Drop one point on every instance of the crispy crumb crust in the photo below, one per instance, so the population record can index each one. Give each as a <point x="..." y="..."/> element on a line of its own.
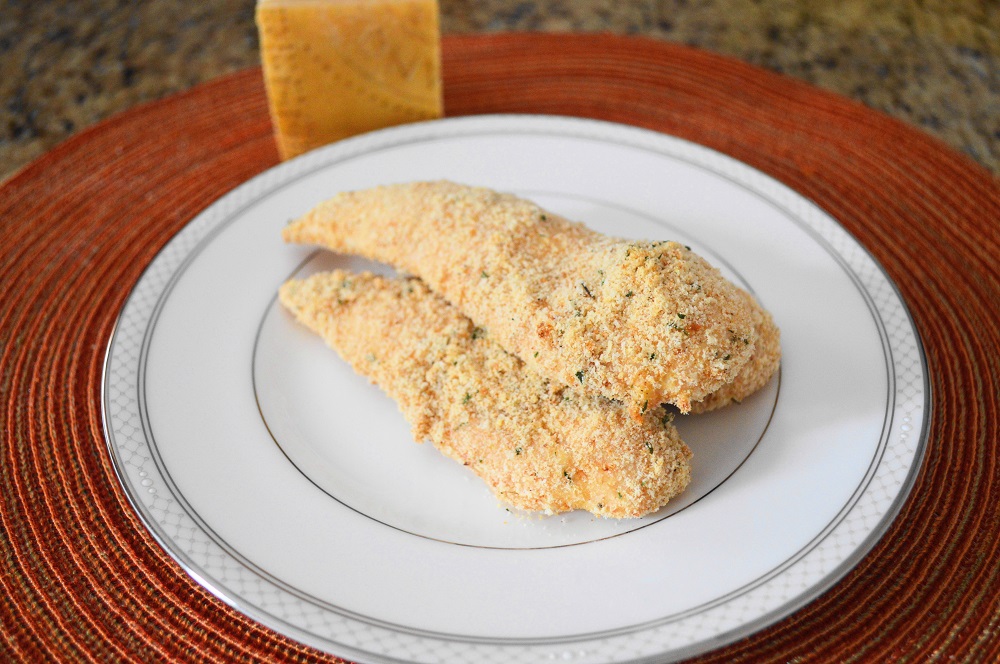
<point x="538" y="445"/>
<point x="755" y="373"/>
<point x="640" y="322"/>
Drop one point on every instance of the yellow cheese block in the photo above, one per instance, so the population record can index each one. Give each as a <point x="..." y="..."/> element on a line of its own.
<point x="335" y="68"/>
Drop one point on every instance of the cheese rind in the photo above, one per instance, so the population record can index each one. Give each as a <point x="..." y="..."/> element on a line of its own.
<point x="336" y="68"/>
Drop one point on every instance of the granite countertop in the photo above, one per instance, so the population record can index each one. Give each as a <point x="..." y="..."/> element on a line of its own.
<point x="936" y="64"/>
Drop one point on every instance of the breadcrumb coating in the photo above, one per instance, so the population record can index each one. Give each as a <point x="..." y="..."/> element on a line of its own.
<point x="538" y="445"/>
<point x="762" y="365"/>
<point x="640" y="322"/>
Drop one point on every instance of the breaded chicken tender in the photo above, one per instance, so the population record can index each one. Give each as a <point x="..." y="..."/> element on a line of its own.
<point x="755" y="373"/>
<point x="640" y="322"/>
<point x="538" y="445"/>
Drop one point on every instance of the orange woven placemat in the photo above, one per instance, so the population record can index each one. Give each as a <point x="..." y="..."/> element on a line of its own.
<point x="83" y="580"/>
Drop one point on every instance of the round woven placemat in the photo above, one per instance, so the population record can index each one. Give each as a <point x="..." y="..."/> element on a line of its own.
<point x="83" y="580"/>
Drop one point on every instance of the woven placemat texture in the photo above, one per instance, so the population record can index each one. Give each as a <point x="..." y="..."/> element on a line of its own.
<point x="80" y="577"/>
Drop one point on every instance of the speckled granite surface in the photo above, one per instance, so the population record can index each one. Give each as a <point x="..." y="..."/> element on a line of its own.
<point x="934" y="63"/>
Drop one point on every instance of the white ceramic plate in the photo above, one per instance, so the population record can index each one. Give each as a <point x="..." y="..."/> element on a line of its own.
<point x="290" y="487"/>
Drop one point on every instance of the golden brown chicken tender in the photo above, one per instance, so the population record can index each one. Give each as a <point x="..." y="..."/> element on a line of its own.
<point x="538" y="445"/>
<point x="640" y="322"/>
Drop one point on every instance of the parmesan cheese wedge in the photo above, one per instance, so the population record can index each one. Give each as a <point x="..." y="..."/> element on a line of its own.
<point x="336" y="68"/>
